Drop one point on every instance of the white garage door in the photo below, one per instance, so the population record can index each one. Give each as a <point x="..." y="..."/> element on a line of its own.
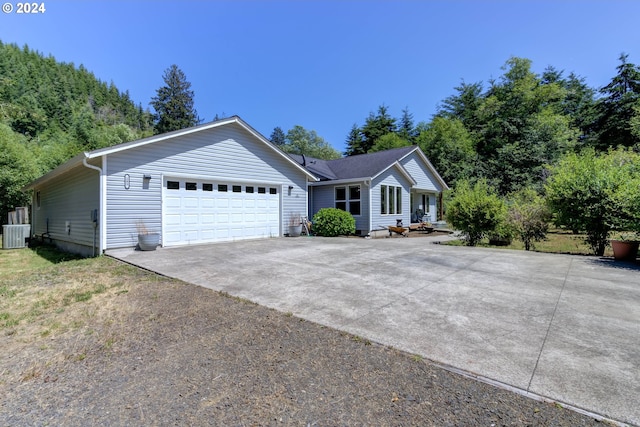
<point x="199" y="211"/>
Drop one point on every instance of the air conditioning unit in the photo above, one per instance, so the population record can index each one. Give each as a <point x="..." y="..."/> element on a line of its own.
<point x="14" y="236"/>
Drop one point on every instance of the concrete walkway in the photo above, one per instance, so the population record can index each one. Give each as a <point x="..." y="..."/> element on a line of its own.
<point x="566" y="328"/>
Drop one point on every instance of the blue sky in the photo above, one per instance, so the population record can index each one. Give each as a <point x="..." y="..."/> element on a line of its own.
<point x="325" y="65"/>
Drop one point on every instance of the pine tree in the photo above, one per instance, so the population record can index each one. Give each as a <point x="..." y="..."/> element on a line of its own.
<point x="376" y="126"/>
<point x="277" y="137"/>
<point x="354" y="142"/>
<point x="619" y="107"/>
<point x="174" y="103"/>
<point x="407" y="130"/>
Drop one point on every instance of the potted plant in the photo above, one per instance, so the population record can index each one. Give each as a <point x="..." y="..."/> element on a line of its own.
<point x="295" y="225"/>
<point x="147" y="241"/>
<point x="625" y="246"/>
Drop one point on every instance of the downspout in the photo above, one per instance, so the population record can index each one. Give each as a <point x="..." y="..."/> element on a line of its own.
<point x="367" y="182"/>
<point x="98" y="219"/>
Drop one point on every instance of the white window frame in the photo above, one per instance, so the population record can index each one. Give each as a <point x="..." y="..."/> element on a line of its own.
<point x="390" y="200"/>
<point x="347" y="198"/>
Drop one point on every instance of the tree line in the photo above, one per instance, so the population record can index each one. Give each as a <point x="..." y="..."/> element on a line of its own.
<point x="51" y="111"/>
<point x="509" y="131"/>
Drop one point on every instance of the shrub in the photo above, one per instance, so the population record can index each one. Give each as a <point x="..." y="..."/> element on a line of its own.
<point x="529" y="217"/>
<point x="475" y="211"/>
<point x="331" y="222"/>
<point x="596" y="194"/>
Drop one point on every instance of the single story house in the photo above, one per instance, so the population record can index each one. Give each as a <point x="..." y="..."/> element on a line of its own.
<point x="213" y="182"/>
<point x="378" y="189"/>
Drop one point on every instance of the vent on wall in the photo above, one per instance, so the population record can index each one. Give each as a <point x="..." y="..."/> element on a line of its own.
<point x="15" y="236"/>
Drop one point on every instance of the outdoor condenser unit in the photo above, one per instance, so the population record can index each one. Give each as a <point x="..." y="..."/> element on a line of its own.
<point x="14" y="236"/>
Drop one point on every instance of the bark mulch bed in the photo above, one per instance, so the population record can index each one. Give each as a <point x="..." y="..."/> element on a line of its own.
<point x="162" y="352"/>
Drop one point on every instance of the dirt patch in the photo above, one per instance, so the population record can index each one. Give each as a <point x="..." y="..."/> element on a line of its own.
<point x="147" y="350"/>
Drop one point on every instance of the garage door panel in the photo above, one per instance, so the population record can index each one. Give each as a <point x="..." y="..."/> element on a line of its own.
<point x="208" y="214"/>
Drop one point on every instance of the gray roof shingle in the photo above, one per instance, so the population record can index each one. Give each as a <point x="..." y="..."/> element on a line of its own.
<point x="359" y="166"/>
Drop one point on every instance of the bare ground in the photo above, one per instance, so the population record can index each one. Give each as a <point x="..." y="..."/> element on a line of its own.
<point x="147" y="350"/>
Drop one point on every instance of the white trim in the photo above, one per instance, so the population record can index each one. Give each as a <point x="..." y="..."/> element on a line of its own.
<point x="219" y="178"/>
<point x="75" y="161"/>
<point x="401" y="169"/>
<point x="429" y="166"/>
<point x="339" y="181"/>
<point x="103" y="206"/>
<point x="194" y="129"/>
<point x="347" y="200"/>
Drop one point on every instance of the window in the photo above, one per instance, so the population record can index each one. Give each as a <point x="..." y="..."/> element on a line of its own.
<point x="262" y="190"/>
<point x="38" y="200"/>
<point x="222" y="188"/>
<point x="341" y="198"/>
<point x="248" y="189"/>
<point x="390" y="200"/>
<point x="207" y="187"/>
<point x="348" y="199"/>
<point x="354" y="200"/>
<point x="273" y="191"/>
<point x="191" y="186"/>
<point x="237" y="188"/>
<point x="173" y="185"/>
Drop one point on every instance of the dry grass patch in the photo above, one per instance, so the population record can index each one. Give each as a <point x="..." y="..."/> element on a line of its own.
<point x="56" y="307"/>
<point x="557" y="242"/>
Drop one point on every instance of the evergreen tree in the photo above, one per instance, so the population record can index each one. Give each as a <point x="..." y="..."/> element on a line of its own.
<point x="277" y="137"/>
<point x="174" y="103"/>
<point x="354" y="142"/>
<point x="407" y="130"/>
<point x="376" y="126"/>
<point x="619" y="106"/>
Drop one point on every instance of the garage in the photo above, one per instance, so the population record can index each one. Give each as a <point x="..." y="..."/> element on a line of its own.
<point x="205" y="211"/>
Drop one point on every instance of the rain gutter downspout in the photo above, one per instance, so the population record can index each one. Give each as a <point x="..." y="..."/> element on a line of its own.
<point x="367" y="182"/>
<point x="98" y="220"/>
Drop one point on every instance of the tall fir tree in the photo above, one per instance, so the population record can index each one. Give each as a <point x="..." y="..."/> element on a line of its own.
<point x="278" y="137"/>
<point x="354" y="141"/>
<point x="407" y="129"/>
<point x="174" y="103"/>
<point x="376" y="126"/>
<point x="619" y="106"/>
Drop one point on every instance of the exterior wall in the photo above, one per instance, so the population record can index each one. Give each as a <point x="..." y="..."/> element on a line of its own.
<point x="391" y="177"/>
<point x="323" y="196"/>
<point x="70" y="198"/>
<point x="225" y="153"/>
<point x="420" y="173"/>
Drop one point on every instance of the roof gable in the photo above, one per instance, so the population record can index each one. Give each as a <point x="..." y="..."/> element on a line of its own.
<point x="359" y="166"/>
<point x="82" y="157"/>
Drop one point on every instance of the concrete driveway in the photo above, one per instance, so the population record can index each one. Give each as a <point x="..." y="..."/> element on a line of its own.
<point x="565" y="328"/>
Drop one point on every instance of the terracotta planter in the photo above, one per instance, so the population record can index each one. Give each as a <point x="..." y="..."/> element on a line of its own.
<point x="625" y="250"/>
<point x="148" y="242"/>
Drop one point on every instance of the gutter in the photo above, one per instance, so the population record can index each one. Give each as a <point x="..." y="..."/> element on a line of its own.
<point x="98" y="221"/>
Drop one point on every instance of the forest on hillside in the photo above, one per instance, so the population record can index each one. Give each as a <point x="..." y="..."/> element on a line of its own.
<point x="50" y="112"/>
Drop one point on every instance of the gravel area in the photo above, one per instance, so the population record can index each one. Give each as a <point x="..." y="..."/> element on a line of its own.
<point x="168" y="353"/>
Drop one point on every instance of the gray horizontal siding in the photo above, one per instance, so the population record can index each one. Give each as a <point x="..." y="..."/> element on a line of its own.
<point x="225" y="153"/>
<point x="324" y="197"/>
<point x="391" y="177"/>
<point x="419" y="171"/>
<point x="71" y="198"/>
